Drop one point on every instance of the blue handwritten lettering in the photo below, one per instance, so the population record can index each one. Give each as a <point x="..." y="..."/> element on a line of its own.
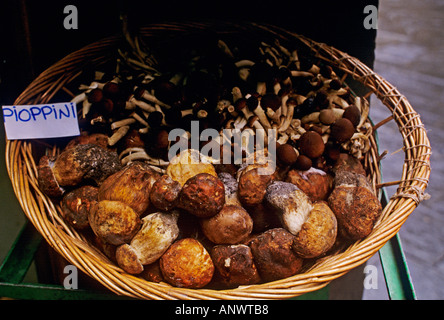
<point x="24" y="119"/>
<point x="35" y="111"/>
<point x="46" y="113"/>
<point x="5" y="115"/>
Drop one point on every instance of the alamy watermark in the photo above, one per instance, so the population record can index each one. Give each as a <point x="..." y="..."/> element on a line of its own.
<point x="371" y="20"/>
<point x="71" y="281"/>
<point x="71" y="21"/>
<point x="371" y="278"/>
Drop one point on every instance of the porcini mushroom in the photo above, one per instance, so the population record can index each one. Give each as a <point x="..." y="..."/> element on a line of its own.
<point x="254" y="106"/>
<point x="290" y="203"/>
<point x="158" y="232"/>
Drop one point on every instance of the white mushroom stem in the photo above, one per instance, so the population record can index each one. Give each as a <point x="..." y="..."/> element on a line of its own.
<point x="288" y="118"/>
<point x="284" y="50"/>
<point x="140" y="119"/>
<point x="295" y="58"/>
<point x="274" y="115"/>
<point x="297" y="73"/>
<point x="142" y="104"/>
<point x="133" y="154"/>
<point x="246" y="138"/>
<point x="91" y="86"/>
<point x="237" y="94"/>
<point x="335" y="100"/>
<point x="244" y="73"/>
<point x="245" y="63"/>
<point x="123" y="122"/>
<point x="79" y="98"/>
<point x="261" y="87"/>
<point x="151" y="98"/>
<point x="240" y="122"/>
<point x="260" y="132"/>
<point x="283" y="138"/>
<point x="86" y="107"/>
<point x="311" y="118"/>
<point x="364" y="108"/>
<point x="225" y="49"/>
<point x="119" y="134"/>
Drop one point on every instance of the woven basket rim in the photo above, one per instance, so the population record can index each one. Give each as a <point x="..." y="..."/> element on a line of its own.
<point x="44" y="215"/>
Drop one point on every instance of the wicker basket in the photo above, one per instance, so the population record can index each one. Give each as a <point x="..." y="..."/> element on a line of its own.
<point x="45" y="215"/>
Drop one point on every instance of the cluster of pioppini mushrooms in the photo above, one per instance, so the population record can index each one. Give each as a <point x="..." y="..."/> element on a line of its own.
<point x="195" y="221"/>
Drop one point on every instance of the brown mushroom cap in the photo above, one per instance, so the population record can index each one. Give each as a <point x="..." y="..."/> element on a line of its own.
<point x="231" y="225"/>
<point x="95" y="95"/>
<point x="273" y="254"/>
<point x="318" y="233"/>
<point x="187" y="264"/>
<point x="203" y="195"/>
<point x="46" y="178"/>
<point x="342" y="130"/>
<point x="83" y="162"/>
<point x="76" y="205"/>
<point x="317" y="184"/>
<point x="114" y="221"/>
<point x="353" y="114"/>
<point x="286" y="154"/>
<point x="252" y="185"/>
<point x="252" y="120"/>
<point x="327" y="116"/>
<point x="311" y="144"/>
<point x="164" y="193"/>
<point x="131" y="185"/>
<point x="234" y="264"/>
<point x="303" y="162"/>
<point x="271" y="100"/>
<point x="240" y="104"/>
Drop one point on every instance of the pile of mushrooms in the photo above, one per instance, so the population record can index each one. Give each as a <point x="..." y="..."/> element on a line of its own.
<point x="242" y="223"/>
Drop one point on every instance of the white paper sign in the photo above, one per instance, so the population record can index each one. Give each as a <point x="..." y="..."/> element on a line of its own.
<point x="41" y="121"/>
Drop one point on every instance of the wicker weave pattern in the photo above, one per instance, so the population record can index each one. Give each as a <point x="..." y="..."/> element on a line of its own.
<point x="45" y="215"/>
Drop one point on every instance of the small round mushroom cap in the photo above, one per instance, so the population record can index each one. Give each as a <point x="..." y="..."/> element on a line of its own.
<point x="271" y="100"/>
<point x="252" y="120"/>
<point x="240" y="104"/>
<point x="286" y="154"/>
<point x="311" y="144"/>
<point x="327" y="116"/>
<point x="95" y="95"/>
<point x="353" y="114"/>
<point x="303" y="162"/>
<point x="342" y="130"/>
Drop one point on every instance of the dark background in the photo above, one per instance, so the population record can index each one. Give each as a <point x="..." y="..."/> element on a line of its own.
<point x="33" y="37"/>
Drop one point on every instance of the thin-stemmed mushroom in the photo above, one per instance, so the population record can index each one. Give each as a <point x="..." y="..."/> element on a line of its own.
<point x="142" y="93"/>
<point x="254" y="105"/>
